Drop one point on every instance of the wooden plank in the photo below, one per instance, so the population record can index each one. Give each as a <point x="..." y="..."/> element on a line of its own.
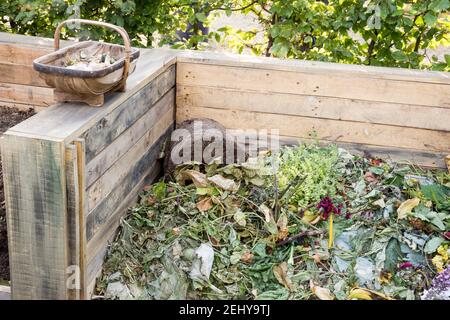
<point x="52" y="122"/>
<point x="20" y="53"/>
<point x="5" y="293"/>
<point x="35" y="194"/>
<point x="73" y="219"/>
<point x="306" y="66"/>
<point x="81" y="169"/>
<point x="100" y="215"/>
<point x="32" y="41"/>
<point x="160" y="116"/>
<point x="316" y="107"/>
<point x="398" y="155"/>
<point x="108" y="181"/>
<point x="20" y="74"/>
<point x="24" y="94"/>
<point x="331" y="130"/>
<point x="107" y="129"/>
<point x="98" y="245"/>
<point x="324" y="85"/>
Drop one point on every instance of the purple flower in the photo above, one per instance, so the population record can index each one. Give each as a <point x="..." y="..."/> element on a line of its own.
<point x="326" y="207"/>
<point x="440" y="287"/>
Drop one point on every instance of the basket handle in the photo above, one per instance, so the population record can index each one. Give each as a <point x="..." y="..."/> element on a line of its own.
<point x="120" y="30"/>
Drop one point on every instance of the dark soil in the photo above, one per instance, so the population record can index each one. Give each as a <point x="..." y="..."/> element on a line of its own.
<point x="9" y="117"/>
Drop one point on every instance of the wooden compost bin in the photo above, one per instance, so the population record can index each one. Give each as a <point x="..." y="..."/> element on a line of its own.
<point x="71" y="171"/>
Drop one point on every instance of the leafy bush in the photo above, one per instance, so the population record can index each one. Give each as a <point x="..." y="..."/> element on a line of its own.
<point x="371" y="32"/>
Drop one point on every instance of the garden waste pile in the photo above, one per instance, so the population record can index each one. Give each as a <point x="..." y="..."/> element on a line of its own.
<point x="310" y="222"/>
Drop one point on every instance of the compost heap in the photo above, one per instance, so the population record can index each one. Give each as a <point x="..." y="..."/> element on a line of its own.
<point x="324" y="225"/>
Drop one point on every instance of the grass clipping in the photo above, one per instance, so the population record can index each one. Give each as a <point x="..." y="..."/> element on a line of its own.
<point x="252" y="232"/>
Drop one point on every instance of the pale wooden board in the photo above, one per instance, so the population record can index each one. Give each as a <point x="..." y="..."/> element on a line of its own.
<point x="5" y="293"/>
<point x="73" y="216"/>
<point x="397" y="155"/>
<point x="160" y="115"/>
<point x="315" y="107"/>
<point x="316" y="67"/>
<point x="81" y="170"/>
<point x="98" y="245"/>
<point x="20" y="74"/>
<point x="23" y="94"/>
<point x="24" y="40"/>
<point x="324" y="85"/>
<point x="20" y="53"/>
<point x="107" y="129"/>
<point x="52" y="123"/>
<point x="100" y="215"/>
<point x="331" y="130"/>
<point x="34" y="178"/>
<point x="108" y="181"/>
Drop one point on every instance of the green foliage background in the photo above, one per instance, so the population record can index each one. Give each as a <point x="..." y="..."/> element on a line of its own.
<point x="372" y="32"/>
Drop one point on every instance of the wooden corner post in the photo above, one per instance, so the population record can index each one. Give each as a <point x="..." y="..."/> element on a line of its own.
<point x="34" y="171"/>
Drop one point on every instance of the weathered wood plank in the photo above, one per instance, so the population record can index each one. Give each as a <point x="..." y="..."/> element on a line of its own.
<point x="20" y="74"/>
<point x="100" y="215"/>
<point x="311" y="67"/>
<point x="52" y="122"/>
<point x="35" y="193"/>
<point x="25" y="40"/>
<point x="5" y="293"/>
<point x="23" y="94"/>
<point x="98" y="245"/>
<point x="324" y="85"/>
<point x="398" y="155"/>
<point x="81" y="170"/>
<point x="157" y="119"/>
<point x="332" y="130"/>
<point x="20" y="53"/>
<point x="108" y="181"/>
<point x="107" y="129"/>
<point x="404" y="115"/>
<point x="73" y="219"/>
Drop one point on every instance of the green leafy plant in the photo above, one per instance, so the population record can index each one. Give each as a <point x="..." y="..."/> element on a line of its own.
<point x="397" y="33"/>
<point x="318" y="169"/>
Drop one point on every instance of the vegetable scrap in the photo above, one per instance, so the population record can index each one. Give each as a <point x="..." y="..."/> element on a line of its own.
<point x="310" y="222"/>
<point x="87" y="62"/>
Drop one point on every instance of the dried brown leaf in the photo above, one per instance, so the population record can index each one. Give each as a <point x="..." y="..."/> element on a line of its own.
<point x="205" y="204"/>
<point x="280" y="272"/>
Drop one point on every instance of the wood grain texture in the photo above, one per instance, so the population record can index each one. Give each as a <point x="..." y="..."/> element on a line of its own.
<point x="20" y="74"/>
<point x="98" y="245"/>
<point x="398" y="155"/>
<point x="20" y="53"/>
<point x="35" y="193"/>
<point x="423" y="117"/>
<point x="73" y="220"/>
<point x="160" y="116"/>
<point x="22" y="94"/>
<point x="100" y="215"/>
<point x="5" y="293"/>
<point x="313" y="84"/>
<point x="112" y="125"/>
<point x="82" y="204"/>
<point x="311" y="67"/>
<point x="52" y="123"/>
<point x="331" y="130"/>
<point x="108" y="181"/>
